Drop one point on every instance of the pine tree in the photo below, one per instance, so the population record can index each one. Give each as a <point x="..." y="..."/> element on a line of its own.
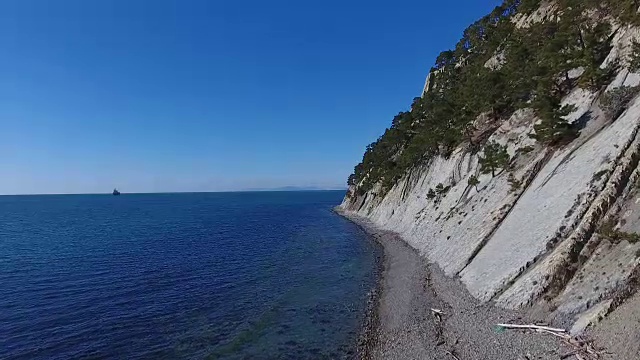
<point x="495" y="157"/>
<point x="473" y="181"/>
<point x="595" y="47"/>
<point x="635" y="57"/>
<point x="553" y="128"/>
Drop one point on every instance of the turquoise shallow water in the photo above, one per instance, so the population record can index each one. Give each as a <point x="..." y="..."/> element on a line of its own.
<point x="191" y="276"/>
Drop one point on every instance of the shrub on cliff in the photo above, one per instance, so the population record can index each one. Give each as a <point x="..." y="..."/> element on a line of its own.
<point x="594" y="77"/>
<point x="615" y="101"/>
<point x="473" y="181"/>
<point x="431" y="194"/>
<point x="608" y="230"/>
<point x="514" y="182"/>
<point x="352" y="180"/>
<point x="442" y="190"/>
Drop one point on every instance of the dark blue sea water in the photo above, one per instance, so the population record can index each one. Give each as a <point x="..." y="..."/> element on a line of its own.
<point x="181" y="276"/>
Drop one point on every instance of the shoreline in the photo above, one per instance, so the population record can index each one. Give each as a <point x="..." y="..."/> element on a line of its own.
<point x="401" y="324"/>
<point x="367" y="338"/>
<point x="366" y="341"/>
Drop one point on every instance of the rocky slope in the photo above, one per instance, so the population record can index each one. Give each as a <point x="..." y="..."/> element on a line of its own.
<point x="554" y="231"/>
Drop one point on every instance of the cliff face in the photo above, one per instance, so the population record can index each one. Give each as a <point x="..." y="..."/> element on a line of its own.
<point x="556" y="229"/>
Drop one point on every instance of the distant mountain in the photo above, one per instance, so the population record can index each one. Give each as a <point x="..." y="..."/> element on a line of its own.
<point x="298" y="188"/>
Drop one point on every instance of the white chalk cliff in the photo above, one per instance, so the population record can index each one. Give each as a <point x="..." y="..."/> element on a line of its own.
<point x="537" y="244"/>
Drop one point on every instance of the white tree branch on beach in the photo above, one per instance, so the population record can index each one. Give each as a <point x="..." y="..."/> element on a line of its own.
<point x="584" y="349"/>
<point x="452" y="355"/>
<point x="532" y="327"/>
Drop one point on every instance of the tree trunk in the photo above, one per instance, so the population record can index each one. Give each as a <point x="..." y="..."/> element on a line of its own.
<point x="581" y="39"/>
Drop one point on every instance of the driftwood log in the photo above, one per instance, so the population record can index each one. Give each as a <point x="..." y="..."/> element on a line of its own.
<point x="583" y="349"/>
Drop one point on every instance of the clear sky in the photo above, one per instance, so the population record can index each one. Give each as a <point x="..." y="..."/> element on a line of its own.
<point x="158" y="95"/>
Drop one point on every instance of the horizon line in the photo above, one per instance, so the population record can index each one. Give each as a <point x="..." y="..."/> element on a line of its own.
<point x="183" y="192"/>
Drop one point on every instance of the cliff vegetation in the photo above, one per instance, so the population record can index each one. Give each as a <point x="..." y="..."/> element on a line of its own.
<point x="501" y="65"/>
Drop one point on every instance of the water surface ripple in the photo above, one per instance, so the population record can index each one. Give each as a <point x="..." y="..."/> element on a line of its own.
<point x="191" y="276"/>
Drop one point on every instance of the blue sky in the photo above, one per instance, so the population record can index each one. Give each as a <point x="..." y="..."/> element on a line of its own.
<point x="160" y="96"/>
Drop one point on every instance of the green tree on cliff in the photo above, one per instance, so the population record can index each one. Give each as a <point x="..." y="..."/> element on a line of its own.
<point x="495" y="157"/>
<point x="552" y="128"/>
<point x="431" y="194"/>
<point x="635" y="57"/>
<point x="595" y="48"/>
<point x="495" y="69"/>
<point x="473" y="181"/>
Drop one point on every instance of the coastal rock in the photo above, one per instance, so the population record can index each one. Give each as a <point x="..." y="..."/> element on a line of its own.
<point x="531" y="235"/>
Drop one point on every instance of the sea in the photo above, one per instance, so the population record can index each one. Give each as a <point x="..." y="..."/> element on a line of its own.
<point x="246" y="275"/>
